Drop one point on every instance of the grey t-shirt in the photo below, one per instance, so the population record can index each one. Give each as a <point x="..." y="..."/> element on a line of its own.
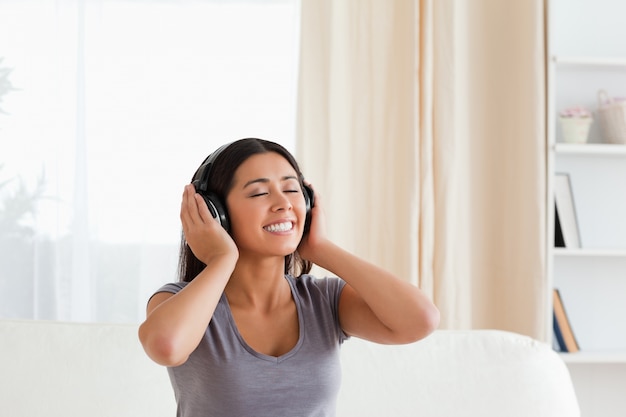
<point x="226" y="377"/>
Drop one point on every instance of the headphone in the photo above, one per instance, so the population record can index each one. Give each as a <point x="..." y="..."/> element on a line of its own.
<point x="216" y="205"/>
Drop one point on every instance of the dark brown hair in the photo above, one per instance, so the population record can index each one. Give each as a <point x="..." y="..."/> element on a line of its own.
<point x="220" y="182"/>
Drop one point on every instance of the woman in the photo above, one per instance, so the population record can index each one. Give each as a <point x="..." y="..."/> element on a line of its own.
<point x="247" y="331"/>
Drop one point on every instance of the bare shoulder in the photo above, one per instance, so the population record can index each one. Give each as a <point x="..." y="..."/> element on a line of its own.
<point x="157" y="299"/>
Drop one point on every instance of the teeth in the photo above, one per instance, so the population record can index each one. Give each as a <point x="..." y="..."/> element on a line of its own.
<point x="279" y="227"/>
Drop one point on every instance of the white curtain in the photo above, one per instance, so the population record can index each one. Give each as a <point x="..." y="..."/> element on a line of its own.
<point x="423" y="124"/>
<point x="110" y="106"/>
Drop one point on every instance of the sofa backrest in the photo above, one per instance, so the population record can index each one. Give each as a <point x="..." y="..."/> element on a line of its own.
<point x="475" y="373"/>
<point x="57" y="369"/>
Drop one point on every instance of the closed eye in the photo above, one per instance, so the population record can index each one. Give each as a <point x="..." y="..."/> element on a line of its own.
<point x="266" y="193"/>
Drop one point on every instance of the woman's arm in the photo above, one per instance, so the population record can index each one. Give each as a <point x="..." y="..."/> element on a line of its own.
<point x="375" y="304"/>
<point x="175" y="324"/>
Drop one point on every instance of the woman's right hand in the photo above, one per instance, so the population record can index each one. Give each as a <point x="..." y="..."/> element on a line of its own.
<point x="176" y="323"/>
<point x="204" y="235"/>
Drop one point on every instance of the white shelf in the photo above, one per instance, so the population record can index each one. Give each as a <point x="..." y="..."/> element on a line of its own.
<point x="590" y="149"/>
<point x="565" y="252"/>
<point x="590" y="61"/>
<point x="584" y="357"/>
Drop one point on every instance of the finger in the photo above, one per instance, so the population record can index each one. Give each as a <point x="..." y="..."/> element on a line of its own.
<point x="184" y="212"/>
<point x="203" y="209"/>
<point x="189" y="207"/>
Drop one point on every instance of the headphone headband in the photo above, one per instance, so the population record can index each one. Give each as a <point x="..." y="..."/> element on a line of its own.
<point x="214" y="202"/>
<point x="201" y="179"/>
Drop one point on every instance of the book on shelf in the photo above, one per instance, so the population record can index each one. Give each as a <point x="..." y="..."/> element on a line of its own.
<point x="563" y="332"/>
<point x="566" y="224"/>
<point x="559" y="242"/>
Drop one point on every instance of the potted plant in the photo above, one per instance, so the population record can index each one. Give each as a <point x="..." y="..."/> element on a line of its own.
<point x="575" y="124"/>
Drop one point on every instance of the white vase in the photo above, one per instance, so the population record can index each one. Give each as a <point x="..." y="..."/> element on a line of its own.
<point x="575" y="129"/>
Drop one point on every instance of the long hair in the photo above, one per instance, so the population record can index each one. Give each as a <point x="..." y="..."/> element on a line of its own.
<point x="220" y="182"/>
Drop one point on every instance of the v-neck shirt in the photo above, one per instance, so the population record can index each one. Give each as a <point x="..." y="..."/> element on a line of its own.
<point x="224" y="376"/>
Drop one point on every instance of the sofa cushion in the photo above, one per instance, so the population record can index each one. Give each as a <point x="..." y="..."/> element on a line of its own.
<point x="56" y="369"/>
<point x="478" y="373"/>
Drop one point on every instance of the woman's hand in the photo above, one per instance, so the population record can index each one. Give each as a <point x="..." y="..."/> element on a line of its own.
<point x="176" y="323"/>
<point x="375" y="304"/>
<point x="204" y="235"/>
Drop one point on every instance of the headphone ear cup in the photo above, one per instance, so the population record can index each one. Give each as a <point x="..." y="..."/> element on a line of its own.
<point x="217" y="209"/>
<point x="309" y="200"/>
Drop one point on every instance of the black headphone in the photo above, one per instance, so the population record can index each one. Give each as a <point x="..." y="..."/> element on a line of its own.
<point x="218" y="208"/>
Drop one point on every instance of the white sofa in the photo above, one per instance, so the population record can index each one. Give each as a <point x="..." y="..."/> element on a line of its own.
<point x="56" y="369"/>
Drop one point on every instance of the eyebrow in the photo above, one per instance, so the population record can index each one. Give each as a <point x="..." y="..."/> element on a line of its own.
<point x="266" y="180"/>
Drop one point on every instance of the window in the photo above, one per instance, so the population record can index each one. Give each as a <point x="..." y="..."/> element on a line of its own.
<point x="113" y="106"/>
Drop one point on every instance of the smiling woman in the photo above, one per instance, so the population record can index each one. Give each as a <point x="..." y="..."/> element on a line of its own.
<point x="247" y="330"/>
<point x="108" y="118"/>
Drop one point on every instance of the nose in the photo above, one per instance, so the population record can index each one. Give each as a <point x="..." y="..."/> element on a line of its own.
<point x="281" y="202"/>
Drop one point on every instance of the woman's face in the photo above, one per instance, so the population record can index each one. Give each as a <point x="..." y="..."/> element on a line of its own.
<point x="266" y="206"/>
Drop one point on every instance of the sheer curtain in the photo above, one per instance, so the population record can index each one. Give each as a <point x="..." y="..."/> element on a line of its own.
<point x="109" y="107"/>
<point x="423" y="122"/>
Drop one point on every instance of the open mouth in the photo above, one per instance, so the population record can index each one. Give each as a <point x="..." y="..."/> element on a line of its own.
<point x="279" y="227"/>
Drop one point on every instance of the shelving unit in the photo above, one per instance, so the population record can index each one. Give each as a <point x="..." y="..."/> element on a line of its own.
<point x="584" y="274"/>
<point x="587" y="54"/>
<point x="592" y="278"/>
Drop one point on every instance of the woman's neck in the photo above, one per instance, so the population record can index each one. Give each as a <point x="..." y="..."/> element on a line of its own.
<point x="259" y="285"/>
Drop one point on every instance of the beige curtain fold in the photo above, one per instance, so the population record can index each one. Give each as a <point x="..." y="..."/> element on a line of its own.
<point x="356" y="137"/>
<point x="421" y="124"/>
